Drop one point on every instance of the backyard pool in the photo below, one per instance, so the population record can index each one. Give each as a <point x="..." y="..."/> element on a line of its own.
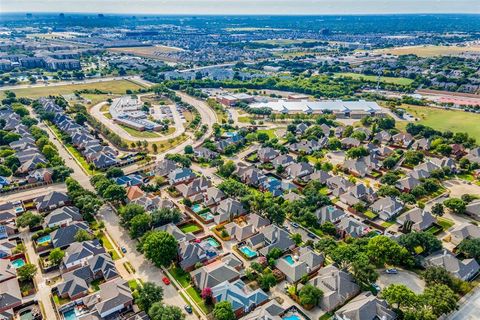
<point x="249" y="253"/>
<point x="26" y="315"/>
<point x="289" y="259"/>
<point x="196" y="208"/>
<point x="206" y="216"/>
<point x="17" y="263"/>
<point x="70" y="315"/>
<point x="292" y="317"/>
<point x="213" y="242"/>
<point x="44" y="239"/>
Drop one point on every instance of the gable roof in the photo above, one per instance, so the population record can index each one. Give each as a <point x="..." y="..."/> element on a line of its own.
<point x="63" y="214"/>
<point x="366" y="306"/>
<point x="213" y="274"/>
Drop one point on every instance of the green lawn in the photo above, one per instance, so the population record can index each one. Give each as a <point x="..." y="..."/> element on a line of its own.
<point x="190" y="228"/>
<point x="445" y="223"/>
<point x="393" y="80"/>
<point x="198" y="299"/>
<point x="245" y="119"/>
<point x="371" y="215"/>
<point x="133" y="284"/>
<point x="181" y="276"/>
<point x="79" y="157"/>
<point x="270" y="132"/>
<point x="441" y="119"/>
<point x="140" y="134"/>
<point x="387" y="224"/>
<point x="108" y="246"/>
<point x="113" y="86"/>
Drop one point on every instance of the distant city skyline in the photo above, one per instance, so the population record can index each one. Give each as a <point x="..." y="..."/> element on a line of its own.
<point x="257" y="7"/>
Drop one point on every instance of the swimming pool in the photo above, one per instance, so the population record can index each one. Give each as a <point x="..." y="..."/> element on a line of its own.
<point x="289" y="259"/>
<point x="18" y="263"/>
<point x="70" y="315"/>
<point x="206" y="216"/>
<point x="44" y="239"/>
<point x="292" y="317"/>
<point x="213" y="242"/>
<point x="248" y="252"/>
<point x="196" y="208"/>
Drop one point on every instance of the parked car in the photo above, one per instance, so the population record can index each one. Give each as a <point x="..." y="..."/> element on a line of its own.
<point x="124" y="250"/>
<point x="188" y="309"/>
<point x="166" y="280"/>
<point x="391" y="271"/>
<point x="311" y="235"/>
<point x="376" y="287"/>
<point x="294" y="224"/>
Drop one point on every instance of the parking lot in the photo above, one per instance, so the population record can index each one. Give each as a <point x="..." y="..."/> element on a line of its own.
<point x="408" y="278"/>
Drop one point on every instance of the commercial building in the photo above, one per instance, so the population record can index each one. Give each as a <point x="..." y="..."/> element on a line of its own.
<point x="128" y="111"/>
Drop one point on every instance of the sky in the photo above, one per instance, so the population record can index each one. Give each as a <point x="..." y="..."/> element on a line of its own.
<point x="200" y="7"/>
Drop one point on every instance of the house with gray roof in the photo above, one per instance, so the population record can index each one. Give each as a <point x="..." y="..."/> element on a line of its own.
<point x="189" y="254"/>
<point x="422" y="219"/>
<point x="348" y="143"/>
<point x="466" y="231"/>
<point x="194" y="187"/>
<point x="6" y="248"/>
<point x="213" y="274"/>
<point x="250" y="175"/>
<point x="407" y="184"/>
<point x="180" y="175"/>
<point x="239" y="295"/>
<point x="204" y="153"/>
<point x="269" y="311"/>
<point x="349" y="226"/>
<point x="228" y="209"/>
<point x="329" y="214"/>
<point x="403" y="139"/>
<point x="473" y="209"/>
<point x="283" y="160"/>
<point x="65" y="236"/>
<point x="267" y="154"/>
<point x="51" y="201"/>
<point x="302" y="262"/>
<point x="462" y="269"/>
<point x="10" y="297"/>
<point x="383" y="137"/>
<point x="298" y="170"/>
<point x="365" y="307"/>
<point x="164" y="167"/>
<point x="79" y="252"/>
<point x="319" y="175"/>
<point x="178" y="234"/>
<point x="62" y="217"/>
<point x="213" y="196"/>
<point x="422" y="144"/>
<point x="246" y="227"/>
<point x="275" y="237"/>
<point x="337" y="285"/>
<point x="387" y="207"/>
<point x="7" y="270"/>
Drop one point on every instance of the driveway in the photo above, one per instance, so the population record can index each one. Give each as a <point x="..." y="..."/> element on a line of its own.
<point x="459" y="187"/>
<point x="408" y="278"/>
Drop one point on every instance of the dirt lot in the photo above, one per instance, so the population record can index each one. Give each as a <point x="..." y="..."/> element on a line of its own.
<point x="431" y="51"/>
<point x="154" y="52"/>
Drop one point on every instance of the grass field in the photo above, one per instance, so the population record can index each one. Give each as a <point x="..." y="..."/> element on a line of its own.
<point x="271" y="133"/>
<point x="140" y="134"/>
<point x="399" y="81"/>
<point x="430" y="51"/>
<point x="113" y="86"/>
<point x="441" y="119"/>
<point x="154" y="52"/>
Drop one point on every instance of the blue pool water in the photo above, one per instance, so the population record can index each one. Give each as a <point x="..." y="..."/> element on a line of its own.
<point x="206" y="216"/>
<point x="289" y="259"/>
<point x="44" y="239"/>
<point x="18" y="263"/>
<point x="248" y="252"/>
<point x="292" y="317"/>
<point x="196" y="208"/>
<point x="70" y="315"/>
<point x="214" y="243"/>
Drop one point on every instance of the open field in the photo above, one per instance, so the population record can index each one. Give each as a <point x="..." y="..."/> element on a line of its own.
<point x="140" y="134"/>
<point x="113" y="86"/>
<point x="153" y="52"/>
<point x="430" y="51"/>
<point x="399" y="81"/>
<point x="441" y="119"/>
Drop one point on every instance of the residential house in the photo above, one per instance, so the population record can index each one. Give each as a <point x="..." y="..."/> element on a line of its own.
<point x="164" y="167"/>
<point x="267" y="154"/>
<point x="407" y="184"/>
<point x="178" y="234"/>
<point x="275" y="237"/>
<point x="283" y="160"/>
<point x="7" y="270"/>
<point x="112" y="298"/>
<point x="246" y="227"/>
<point x="348" y="143"/>
<point x="6" y="248"/>
<point x="10" y="297"/>
<point x="193" y="189"/>
<point x="422" y="219"/>
<point x="213" y="274"/>
<point x="40" y="175"/>
<point x="134" y="192"/>
<point x="382" y="137"/>
<point x="51" y="201"/>
<point x="298" y="170"/>
<point x="403" y="139"/>
<point x="365" y="306"/>
<point x="190" y="254"/>
<point x="228" y="209"/>
<point x="387" y="207"/>
<point x="213" y="196"/>
<point x="298" y="264"/>
<point x="329" y="214"/>
<point x="239" y="295"/>
<point x="250" y="175"/>
<point x="467" y="231"/>
<point x="421" y="144"/>
<point x="473" y="209"/>
<point x="204" y="153"/>
<point x="180" y="175"/>
<point x="65" y="236"/>
<point x="62" y="217"/>
<point x="318" y="175"/>
<point x="351" y="227"/>
<point x="79" y="252"/>
<point x="462" y="269"/>
<point x="269" y="311"/>
<point x="337" y="286"/>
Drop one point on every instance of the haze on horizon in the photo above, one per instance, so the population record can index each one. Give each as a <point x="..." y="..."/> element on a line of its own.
<point x="257" y="7"/>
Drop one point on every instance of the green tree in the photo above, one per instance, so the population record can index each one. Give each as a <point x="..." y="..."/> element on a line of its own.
<point x="5" y="171"/>
<point x="160" y="247"/>
<point x="440" y="298"/>
<point x="158" y="311"/>
<point x="83" y="235"/>
<point x="267" y="281"/>
<point x="382" y="249"/>
<point x="56" y="256"/>
<point x="438" y="209"/>
<point x="27" y="272"/>
<point x="456" y="205"/>
<point x="363" y="271"/>
<point x="188" y="149"/>
<point x="139" y="225"/>
<point x="310" y="295"/>
<point x="148" y="294"/>
<point x="223" y="311"/>
<point x="427" y="241"/>
<point x="297" y="238"/>
<point x="227" y="169"/>
<point x="399" y="295"/>
<point x="129" y="211"/>
<point x="29" y="219"/>
<point x="470" y="248"/>
<point x="115" y="192"/>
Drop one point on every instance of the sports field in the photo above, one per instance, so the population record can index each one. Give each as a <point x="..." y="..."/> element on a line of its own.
<point x="430" y="51"/>
<point x="112" y="86"/>
<point x="440" y="119"/>
<point x="399" y="81"/>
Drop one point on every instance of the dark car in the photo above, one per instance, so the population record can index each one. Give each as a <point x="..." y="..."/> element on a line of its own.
<point x="188" y="309"/>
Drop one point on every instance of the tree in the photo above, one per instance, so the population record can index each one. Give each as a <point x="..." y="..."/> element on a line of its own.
<point x="328" y="228"/>
<point x="207" y="295"/>
<point x="456" y="205"/>
<point x="158" y="311"/>
<point x="427" y="241"/>
<point x="223" y="311"/>
<point x="29" y="219"/>
<point x="129" y="211"/>
<point x="27" y="272"/>
<point x="440" y="298"/>
<point x="165" y="215"/>
<point x="227" y="169"/>
<point x="470" y="248"/>
<point x="82" y="235"/>
<point x="389" y="178"/>
<point x="382" y="249"/>
<point x="160" y="247"/>
<point x="399" y="295"/>
<point x="115" y="192"/>
<point x="438" y="275"/>
<point x="80" y="118"/>
<point x="297" y="238"/>
<point x="363" y="271"/>
<point x="114" y="172"/>
<point x="188" y="149"/>
<point x="4" y="171"/>
<point x="267" y="281"/>
<point x="357" y="152"/>
<point x="139" y="225"/>
<point x="56" y="256"/>
<point x="274" y="253"/>
<point x="148" y="294"/>
<point x="309" y="295"/>
<point x="438" y="209"/>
